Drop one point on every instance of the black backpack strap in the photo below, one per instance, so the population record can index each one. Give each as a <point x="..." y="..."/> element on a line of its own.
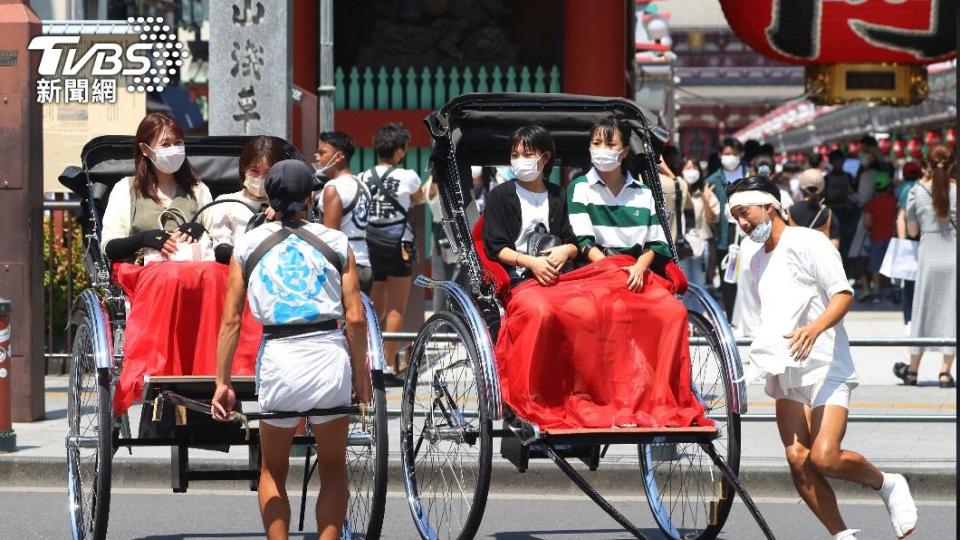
<point x="678" y="199"/>
<point x="269" y="243"/>
<point x="360" y="189"/>
<point x="320" y="246"/>
<point x="378" y="183"/>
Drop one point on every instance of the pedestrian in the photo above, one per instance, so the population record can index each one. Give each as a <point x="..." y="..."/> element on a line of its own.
<point x="879" y="217"/>
<point x="932" y="214"/>
<point x="911" y="173"/>
<point x="699" y="233"/>
<point x="838" y="196"/>
<point x="791" y="172"/>
<point x="390" y="237"/>
<point x="306" y="283"/>
<point x="811" y="212"/>
<point x="676" y="197"/>
<point x="344" y="203"/>
<point x="444" y="262"/>
<point x="230" y="220"/>
<point x="802" y="350"/>
<point x="871" y="164"/>
<point x="731" y="169"/>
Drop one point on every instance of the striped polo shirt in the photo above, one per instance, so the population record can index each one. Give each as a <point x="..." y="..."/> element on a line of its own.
<point x="626" y="222"/>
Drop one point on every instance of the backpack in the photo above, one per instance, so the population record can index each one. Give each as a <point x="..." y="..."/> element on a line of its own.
<point x="378" y="235"/>
<point x="837" y="190"/>
<point x="825" y="228"/>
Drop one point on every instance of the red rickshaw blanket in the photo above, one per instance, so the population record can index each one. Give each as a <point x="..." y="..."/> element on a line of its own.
<point x="173" y="323"/>
<point x="589" y="353"/>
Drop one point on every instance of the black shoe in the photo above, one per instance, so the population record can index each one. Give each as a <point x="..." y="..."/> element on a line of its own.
<point x="948" y="382"/>
<point x="902" y="371"/>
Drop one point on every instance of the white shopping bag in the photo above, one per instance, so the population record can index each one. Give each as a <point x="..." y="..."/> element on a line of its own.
<point x="900" y="261"/>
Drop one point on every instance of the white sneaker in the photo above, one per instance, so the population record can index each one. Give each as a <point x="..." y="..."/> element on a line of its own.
<point x="896" y="496"/>
<point x="849" y="534"/>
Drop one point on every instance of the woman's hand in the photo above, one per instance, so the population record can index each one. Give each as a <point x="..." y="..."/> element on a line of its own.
<point x="362" y="390"/>
<point x="224" y="398"/>
<point x="170" y="244"/>
<point x="635" y="273"/>
<point x="270" y="213"/>
<point x="556" y="256"/>
<point x="541" y="268"/>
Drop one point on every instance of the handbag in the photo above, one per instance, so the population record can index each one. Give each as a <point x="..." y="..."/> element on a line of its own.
<point x="201" y="250"/>
<point x="541" y="240"/>
<point x="900" y="260"/>
<point x="684" y="249"/>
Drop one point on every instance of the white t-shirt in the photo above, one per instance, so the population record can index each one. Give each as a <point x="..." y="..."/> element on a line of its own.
<point x="294" y="283"/>
<point x="230" y="220"/>
<point x="354" y="223"/>
<point x="402" y="183"/>
<point x="794" y="285"/>
<point x="534" y="209"/>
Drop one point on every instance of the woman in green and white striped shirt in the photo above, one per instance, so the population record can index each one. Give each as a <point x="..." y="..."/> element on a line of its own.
<point x="611" y="212"/>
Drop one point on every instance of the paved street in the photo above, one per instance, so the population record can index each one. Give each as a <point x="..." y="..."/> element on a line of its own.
<point x="42" y="514"/>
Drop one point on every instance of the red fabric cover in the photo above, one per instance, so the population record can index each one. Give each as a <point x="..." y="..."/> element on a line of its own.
<point x="173" y="323"/>
<point x="496" y="274"/>
<point x="588" y="353"/>
<point x="678" y="280"/>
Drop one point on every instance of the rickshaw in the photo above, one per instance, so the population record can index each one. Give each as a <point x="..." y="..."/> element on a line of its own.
<point x="172" y="411"/>
<point x="451" y="396"/>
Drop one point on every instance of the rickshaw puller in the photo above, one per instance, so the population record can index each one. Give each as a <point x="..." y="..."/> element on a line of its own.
<point x="307" y="282"/>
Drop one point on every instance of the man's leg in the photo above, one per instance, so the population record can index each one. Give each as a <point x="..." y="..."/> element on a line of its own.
<point x="398" y="289"/>
<point x="793" y="421"/>
<point x="274" y="464"/>
<point x="332" y="468"/>
<point x="827" y="427"/>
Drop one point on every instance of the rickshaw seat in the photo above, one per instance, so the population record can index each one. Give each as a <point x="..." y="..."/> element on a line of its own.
<point x="493" y="272"/>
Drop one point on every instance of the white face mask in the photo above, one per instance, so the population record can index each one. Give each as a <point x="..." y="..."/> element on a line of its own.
<point x="729" y="162"/>
<point x="761" y="232"/>
<point x="526" y="169"/>
<point x="605" y="160"/>
<point x="691" y="175"/>
<point x="254" y="185"/>
<point x="321" y="170"/>
<point x="169" y="159"/>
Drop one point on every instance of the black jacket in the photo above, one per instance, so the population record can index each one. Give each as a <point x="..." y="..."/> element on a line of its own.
<point x="502" y="219"/>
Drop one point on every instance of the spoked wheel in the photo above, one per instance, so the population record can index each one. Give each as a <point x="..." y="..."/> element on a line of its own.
<point x="445" y="435"/>
<point x="89" y="439"/>
<point x="688" y="495"/>
<point x="367" y="466"/>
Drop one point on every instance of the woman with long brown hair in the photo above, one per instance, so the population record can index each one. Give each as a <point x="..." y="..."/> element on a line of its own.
<point x="932" y="213"/>
<point x="163" y="180"/>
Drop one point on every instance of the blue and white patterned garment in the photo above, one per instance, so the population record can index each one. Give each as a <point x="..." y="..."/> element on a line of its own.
<point x="294" y="283"/>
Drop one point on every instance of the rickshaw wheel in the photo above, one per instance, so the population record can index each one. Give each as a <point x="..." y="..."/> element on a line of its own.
<point x="367" y="465"/>
<point x="90" y="439"/>
<point x="689" y="497"/>
<point x="445" y="436"/>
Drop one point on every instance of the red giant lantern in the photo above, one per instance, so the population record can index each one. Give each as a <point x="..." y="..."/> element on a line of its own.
<point x="915" y="148"/>
<point x="952" y="136"/>
<point x="866" y="50"/>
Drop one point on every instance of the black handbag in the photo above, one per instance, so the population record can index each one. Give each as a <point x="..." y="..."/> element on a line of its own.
<point x="540" y="240"/>
<point x="391" y="246"/>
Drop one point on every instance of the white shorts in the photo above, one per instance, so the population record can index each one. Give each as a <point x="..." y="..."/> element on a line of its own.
<point x="825" y="392"/>
<point x="304" y="372"/>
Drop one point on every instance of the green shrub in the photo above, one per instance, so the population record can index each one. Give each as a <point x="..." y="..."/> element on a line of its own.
<point x="63" y="264"/>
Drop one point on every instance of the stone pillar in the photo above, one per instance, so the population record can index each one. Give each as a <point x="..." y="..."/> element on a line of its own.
<point x="251" y="69"/>
<point x="595" y="43"/>
<point x="21" y="202"/>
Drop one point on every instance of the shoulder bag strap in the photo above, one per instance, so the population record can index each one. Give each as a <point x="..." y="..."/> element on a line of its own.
<point x="269" y="243"/>
<point x="813" y="224"/>
<point x="360" y="189"/>
<point x="678" y="199"/>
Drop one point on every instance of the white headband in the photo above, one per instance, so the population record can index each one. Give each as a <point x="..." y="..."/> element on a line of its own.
<point x="753" y="198"/>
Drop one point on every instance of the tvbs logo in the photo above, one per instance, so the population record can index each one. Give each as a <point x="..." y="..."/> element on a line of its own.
<point x="73" y="71"/>
<point x="62" y="56"/>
